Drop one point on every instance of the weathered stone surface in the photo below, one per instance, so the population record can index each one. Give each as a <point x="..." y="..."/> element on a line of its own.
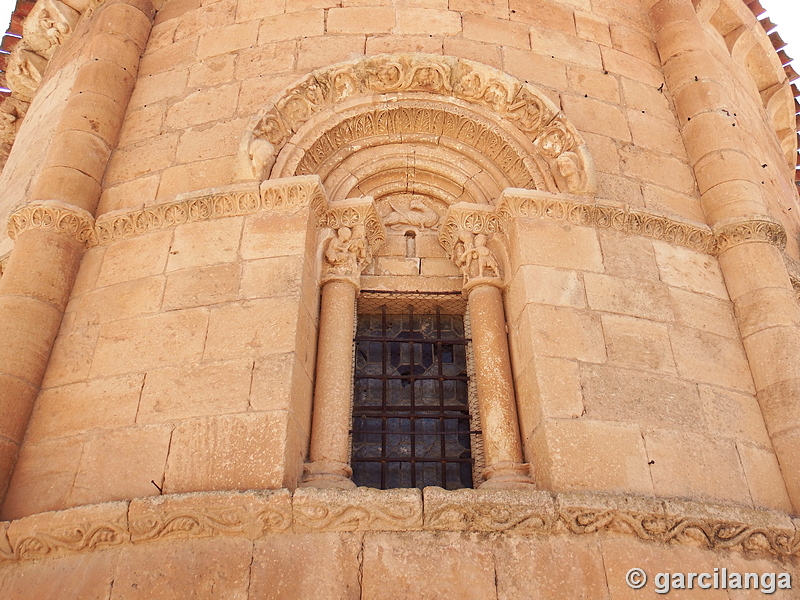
<point x="402" y="566"/>
<point x="362" y="509"/>
<point x="302" y="565"/>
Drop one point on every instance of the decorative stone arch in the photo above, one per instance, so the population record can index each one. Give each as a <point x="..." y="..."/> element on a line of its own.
<point x="426" y="143"/>
<point x="446" y="129"/>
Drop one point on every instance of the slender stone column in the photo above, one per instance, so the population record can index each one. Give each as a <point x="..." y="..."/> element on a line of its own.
<point x="357" y="231"/>
<point x="750" y="243"/>
<point x="330" y="435"/>
<point x="496" y="399"/>
<point x="54" y="228"/>
<point x="465" y="233"/>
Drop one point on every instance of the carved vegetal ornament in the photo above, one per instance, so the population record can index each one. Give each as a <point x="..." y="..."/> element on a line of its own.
<point x="505" y="119"/>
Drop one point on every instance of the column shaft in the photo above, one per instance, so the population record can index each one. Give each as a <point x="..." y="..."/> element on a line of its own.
<point x="496" y="398"/>
<point x="330" y="433"/>
<point x="38" y="279"/>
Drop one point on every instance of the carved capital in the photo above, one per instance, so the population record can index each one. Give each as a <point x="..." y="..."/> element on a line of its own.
<point x="756" y="229"/>
<point x="53" y="216"/>
<point x="464" y="234"/>
<point x="357" y="233"/>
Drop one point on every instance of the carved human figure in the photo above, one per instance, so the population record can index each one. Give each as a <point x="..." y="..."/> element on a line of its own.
<point x="346" y="252"/>
<point x="463" y="255"/>
<point x="569" y="167"/>
<point x="486" y="259"/>
<point x="474" y="258"/>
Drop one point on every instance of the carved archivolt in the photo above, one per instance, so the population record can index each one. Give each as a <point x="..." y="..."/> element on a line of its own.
<point x="55" y="216"/>
<point x="256" y="514"/>
<point x="428" y="95"/>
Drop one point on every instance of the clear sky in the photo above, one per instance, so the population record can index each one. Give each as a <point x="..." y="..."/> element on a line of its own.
<point x="784" y="13"/>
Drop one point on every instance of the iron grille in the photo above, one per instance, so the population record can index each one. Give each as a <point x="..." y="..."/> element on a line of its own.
<point x="411" y="421"/>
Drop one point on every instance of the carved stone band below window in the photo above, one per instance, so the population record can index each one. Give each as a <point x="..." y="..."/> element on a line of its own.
<point x="55" y="216"/>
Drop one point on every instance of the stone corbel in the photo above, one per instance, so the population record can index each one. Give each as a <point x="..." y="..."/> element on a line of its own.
<point x="466" y="234"/>
<point x="48" y="25"/>
<point x="356" y="233"/>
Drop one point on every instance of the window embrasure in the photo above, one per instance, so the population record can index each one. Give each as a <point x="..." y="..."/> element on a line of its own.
<point x="414" y="415"/>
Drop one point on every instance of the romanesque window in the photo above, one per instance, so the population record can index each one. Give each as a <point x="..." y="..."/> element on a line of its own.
<point x="411" y="419"/>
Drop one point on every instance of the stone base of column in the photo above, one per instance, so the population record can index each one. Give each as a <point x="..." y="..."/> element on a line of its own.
<point x="329" y="474"/>
<point x="507" y="476"/>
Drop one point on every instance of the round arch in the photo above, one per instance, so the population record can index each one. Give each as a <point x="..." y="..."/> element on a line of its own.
<point x="417" y="128"/>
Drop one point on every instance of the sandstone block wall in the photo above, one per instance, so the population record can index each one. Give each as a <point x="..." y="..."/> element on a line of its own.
<point x="624" y="347"/>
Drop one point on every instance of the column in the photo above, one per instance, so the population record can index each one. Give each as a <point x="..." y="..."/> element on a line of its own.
<point x="465" y="234"/>
<point x="356" y="231"/>
<point x="54" y="228"/>
<point x="750" y="243"/>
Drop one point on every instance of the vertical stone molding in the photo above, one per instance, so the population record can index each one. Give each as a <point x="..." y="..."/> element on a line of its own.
<point x="466" y="235"/>
<point x="355" y="232"/>
<point x="750" y="254"/>
<point x="51" y="232"/>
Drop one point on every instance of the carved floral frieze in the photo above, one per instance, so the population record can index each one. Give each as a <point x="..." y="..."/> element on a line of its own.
<point x="54" y="216"/>
<point x="521" y="203"/>
<point x="287" y="195"/>
<point x="757" y="229"/>
<point x="309" y="510"/>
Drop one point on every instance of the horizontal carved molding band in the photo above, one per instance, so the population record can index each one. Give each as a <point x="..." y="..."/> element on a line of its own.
<point x="54" y="216"/>
<point x="620" y="217"/>
<point x="284" y="195"/>
<point x="309" y="510"/>
<point x="758" y="229"/>
<point x="538" y="205"/>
